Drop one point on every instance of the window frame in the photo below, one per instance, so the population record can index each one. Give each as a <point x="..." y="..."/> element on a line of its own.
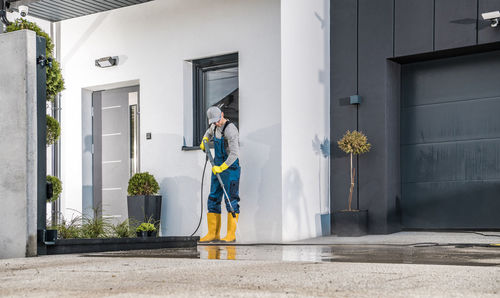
<point x="200" y="66"/>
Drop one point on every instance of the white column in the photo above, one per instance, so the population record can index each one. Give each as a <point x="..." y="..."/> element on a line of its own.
<point x="18" y="144"/>
<point x="305" y="114"/>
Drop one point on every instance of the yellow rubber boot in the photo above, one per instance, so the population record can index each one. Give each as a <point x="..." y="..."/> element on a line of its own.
<point x="231" y="252"/>
<point x="213" y="220"/>
<point x="231" y="228"/>
<point x="213" y="252"/>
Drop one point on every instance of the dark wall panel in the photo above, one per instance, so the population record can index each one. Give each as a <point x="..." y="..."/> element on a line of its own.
<point x="393" y="203"/>
<point x="455" y="23"/>
<point x="431" y="205"/>
<point x="453" y="119"/>
<point x="450" y="149"/>
<point x="414" y="27"/>
<point x="485" y="33"/>
<point x="343" y="84"/>
<point x="454" y="83"/>
<point x="375" y="46"/>
<point x="41" y="122"/>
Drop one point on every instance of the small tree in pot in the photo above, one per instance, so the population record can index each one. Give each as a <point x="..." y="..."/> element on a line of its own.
<point x="143" y="200"/>
<point x="352" y="222"/>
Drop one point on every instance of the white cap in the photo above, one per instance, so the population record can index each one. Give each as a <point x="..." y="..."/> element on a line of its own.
<point x="213" y="114"/>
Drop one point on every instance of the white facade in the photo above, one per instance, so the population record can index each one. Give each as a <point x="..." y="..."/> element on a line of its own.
<point x="283" y="101"/>
<point x="305" y="116"/>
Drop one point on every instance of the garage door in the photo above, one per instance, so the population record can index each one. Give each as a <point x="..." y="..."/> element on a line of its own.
<point x="450" y="143"/>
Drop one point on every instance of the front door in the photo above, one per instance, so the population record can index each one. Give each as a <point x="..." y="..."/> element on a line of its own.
<point x="115" y="136"/>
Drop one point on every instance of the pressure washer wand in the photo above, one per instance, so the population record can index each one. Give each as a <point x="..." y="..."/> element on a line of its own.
<point x="211" y="159"/>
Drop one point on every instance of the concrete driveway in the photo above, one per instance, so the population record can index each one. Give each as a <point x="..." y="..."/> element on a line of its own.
<point x="309" y="269"/>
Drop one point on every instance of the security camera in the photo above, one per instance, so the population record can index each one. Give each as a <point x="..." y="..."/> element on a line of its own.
<point x="493" y="16"/>
<point x="23" y="10"/>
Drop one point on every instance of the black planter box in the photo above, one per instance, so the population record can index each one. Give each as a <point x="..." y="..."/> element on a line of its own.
<point x="142" y="234"/>
<point x="50" y="235"/>
<point x="143" y="209"/>
<point x="350" y="223"/>
<point x="70" y="246"/>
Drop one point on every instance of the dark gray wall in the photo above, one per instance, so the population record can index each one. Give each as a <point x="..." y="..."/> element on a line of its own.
<point x="41" y="83"/>
<point x="369" y="42"/>
<point x="345" y="83"/>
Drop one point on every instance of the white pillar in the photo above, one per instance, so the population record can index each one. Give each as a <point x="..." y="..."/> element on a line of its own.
<point x="18" y="145"/>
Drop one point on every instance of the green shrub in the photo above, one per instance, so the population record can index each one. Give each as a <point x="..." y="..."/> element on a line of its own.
<point x="122" y="230"/>
<point x="69" y="230"/>
<point x="55" y="81"/>
<point x="146" y="227"/>
<point x="96" y="226"/>
<point x="142" y="184"/>
<point x="56" y="187"/>
<point x="53" y="130"/>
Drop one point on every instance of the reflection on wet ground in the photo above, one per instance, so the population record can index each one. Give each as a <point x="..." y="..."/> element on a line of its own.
<point x="469" y="255"/>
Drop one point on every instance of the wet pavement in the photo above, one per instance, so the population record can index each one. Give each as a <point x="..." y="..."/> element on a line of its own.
<point x="421" y="253"/>
<point x="376" y="269"/>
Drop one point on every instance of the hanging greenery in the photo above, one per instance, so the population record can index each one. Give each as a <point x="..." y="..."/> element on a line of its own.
<point x="55" y="81"/>
<point x="56" y="187"/>
<point x="53" y="130"/>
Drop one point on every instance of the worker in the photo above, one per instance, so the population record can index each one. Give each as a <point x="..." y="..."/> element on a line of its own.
<point x="225" y="138"/>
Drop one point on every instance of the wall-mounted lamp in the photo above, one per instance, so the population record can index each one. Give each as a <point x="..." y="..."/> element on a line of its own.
<point x="106" y="62"/>
<point x="493" y="16"/>
<point x="355" y="99"/>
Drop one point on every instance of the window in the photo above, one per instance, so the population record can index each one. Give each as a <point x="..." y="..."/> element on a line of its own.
<point x="215" y="84"/>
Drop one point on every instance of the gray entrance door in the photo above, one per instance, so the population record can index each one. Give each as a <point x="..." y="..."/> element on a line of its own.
<point x="450" y="143"/>
<point x="115" y="149"/>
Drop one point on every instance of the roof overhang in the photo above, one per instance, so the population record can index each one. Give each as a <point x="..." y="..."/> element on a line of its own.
<point x="59" y="10"/>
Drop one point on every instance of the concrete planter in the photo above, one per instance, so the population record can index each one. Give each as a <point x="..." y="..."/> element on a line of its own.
<point x="144" y="208"/>
<point x="350" y="223"/>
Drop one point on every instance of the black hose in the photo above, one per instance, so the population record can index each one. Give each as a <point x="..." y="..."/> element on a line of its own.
<point x="201" y="197"/>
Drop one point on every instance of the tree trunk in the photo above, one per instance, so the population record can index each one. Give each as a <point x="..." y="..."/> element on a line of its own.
<point x="353" y="173"/>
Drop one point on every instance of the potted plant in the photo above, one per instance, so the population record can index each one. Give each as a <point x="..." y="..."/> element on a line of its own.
<point x="54" y="189"/>
<point x="352" y="222"/>
<point x="146" y="229"/>
<point x="143" y="201"/>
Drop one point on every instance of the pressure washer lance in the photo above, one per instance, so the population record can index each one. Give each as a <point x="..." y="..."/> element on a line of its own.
<point x="211" y="159"/>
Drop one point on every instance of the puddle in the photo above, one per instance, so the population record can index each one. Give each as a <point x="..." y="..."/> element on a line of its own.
<point x="423" y="254"/>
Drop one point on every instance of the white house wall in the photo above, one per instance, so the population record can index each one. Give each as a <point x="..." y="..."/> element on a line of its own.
<point x="153" y="40"/>
<point x="305" y="116"/>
